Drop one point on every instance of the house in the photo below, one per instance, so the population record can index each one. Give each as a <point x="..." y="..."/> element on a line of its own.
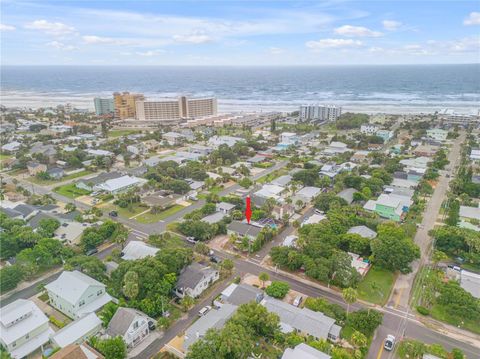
<point x="120" y="184"/>
<point x="363" y="231"/>
<point x="161" y="199"/>
<point x="404" y="183"/>
<point x="24" y="328"/>
<point x="314" y="219"/>
<point x="368" y="129"/>
<point x="303" y="320"/>
<point x="304" y="351"/>
<point x="475" y="154"/>
<point x="425" y="150"/>
<point x="100" y="153"/>
<point x="347" y="194"/>
<point x="214" y="319"/>
<point x="217" y="141"/>
<point x="47" y="151"/>
<point x="138" y="250"/>
<point x="330" y="170"/>
<point x="336" y="148"/>
<point x="11" y="147"/>
<point x="35" y="168"/>
<point x="361" y="265"/>
<point x="70" y="231"/>
<point x="214" y="217"/>
<point x="282" y="181"/>
<point x="243" y="229"/>
<point x="389" y="206"/>
<point x="307" y="194"/>
<point x="238" y="294"/>
<point x="267" y="191"/>
<point x="437" y="134"/>
<point x="289" y="138"/>
<point x="468" y="213"/>
<point x="359" y="156"/>
<point x="56" y="173"/>
<point x="173" y="138"/>
<point x="90" y="183"/>
<point x="470" y="282"/>
<point x="75" y="351"/>
<point x="417" y="162"/>
<point x="76" y="294"/>
<point x="290" y="241"/>
<point x="194" y="279"/>
<point x="199" y="149"/>
<point x="78" y="331"/>
<point x="281" y="210"/>
<point x="386" y="135"/>
<point x="131" y="324"/>
<point x="225" y="207"/>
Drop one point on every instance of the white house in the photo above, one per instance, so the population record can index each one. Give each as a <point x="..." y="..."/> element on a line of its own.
<point x="24" y="328"/>
<point x="120" y="184"/>
<point x="77" y="331"/>
<point x="138" y="250"/>
<point x="289" y="138"/>
<point x="217" y="141"/>
<point x="224" y="207"/>
<point x="195" y="279"/>
<point x="98" y="153"/>
<point x="437" y="134"/>
<point x="369" y="129"/>
<point x="76" y="294"/>
<point x="475" y="154"/>
<point x="304" y="351"/>
<point x="130" y="324"/>
<point x="11" y="146"/>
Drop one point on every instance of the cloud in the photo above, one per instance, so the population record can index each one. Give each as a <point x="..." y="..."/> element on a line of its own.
<point x="356" y="31"/>
<point x="150" y="53"/>
<point x="95" y="40"/>
<point x="196" y="37"/>
<point x="391" y="25"/>
<point x="472" y="19"/>
<point x="276" y="50"/>
<point x="5" y="27"/>
<point x="332" y="44"/>
<point x="51" y="28"/>
<point x="61" y="46"/>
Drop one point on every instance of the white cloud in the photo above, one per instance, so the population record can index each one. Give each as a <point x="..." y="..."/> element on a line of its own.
<point x="150" y="53"/>
<point x="332" y="43"/>
<point x="376" y="49"/>
<point x="196" y="37"/>
<point x="472" y="19"/>
<point x="276" y="50"/>
<point x="356" y="31"/>
<point x="94" y="40"/>
<point x="51" y="28"/>
<point x="61" y="46"/>
<point x="5" y="27"/>
<point x="391" y="25"/>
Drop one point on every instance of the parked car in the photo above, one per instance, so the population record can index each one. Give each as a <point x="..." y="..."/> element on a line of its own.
<point x="113" y="214"/>
<point x="191" y="239"/>
<point x="297" y="301"/>
<point x="91" y="252"/>
<point x="389" y="343"/>
<point x="193" y="198"/>
<point x="215" y="259"/>
<point x="204" y="311"/>
<point x="151" y="325"/>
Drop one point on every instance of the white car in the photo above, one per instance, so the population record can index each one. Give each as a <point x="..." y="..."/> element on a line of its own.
<point x="389" y="343"/>
<point x="204" y="311"/>
<point x="297" y="301"/>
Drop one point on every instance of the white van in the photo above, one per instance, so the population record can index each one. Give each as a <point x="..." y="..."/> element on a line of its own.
<point x="204" y="311"/>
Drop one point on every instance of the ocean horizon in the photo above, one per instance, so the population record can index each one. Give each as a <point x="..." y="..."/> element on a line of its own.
<point x="363" y="88"/>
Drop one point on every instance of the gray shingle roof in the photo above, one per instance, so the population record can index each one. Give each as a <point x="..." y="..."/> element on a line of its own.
<point x="244" y="229"/>
<point x="192" y="275"/>
<point x="122" y="320"/>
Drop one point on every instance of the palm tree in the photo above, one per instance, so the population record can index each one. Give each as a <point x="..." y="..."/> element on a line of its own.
<point x="263" y="277"/>
<point x="349" y="296"/>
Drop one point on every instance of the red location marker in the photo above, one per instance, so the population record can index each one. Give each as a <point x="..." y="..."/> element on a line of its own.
<point x="248" y="210"/>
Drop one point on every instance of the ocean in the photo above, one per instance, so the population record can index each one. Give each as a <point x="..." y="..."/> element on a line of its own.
<point x="389" y="89"/>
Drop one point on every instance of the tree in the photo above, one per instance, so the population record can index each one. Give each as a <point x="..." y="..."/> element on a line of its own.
<point x="392" y="249"/>
<point x="130" y="284"/>
<point x="113" y="348"/>
<point x="107" y="313"/>
<point x="47" y="227"/>
<point x="358" y="340"/>
<point x="278" y="289"/>
<point x="10" y="276"/>
<point x="263" y="277"/>
<point x="349" y="296"/>
<point x="186" y="302"/>
<point x="226" y="267"/>
<point x="365" y="321"/>
<point x="70" y="207"/>
<point x="90" y="265"/>
<point x="201" y="248"/>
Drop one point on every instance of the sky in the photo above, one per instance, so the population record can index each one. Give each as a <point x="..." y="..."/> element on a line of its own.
<point x="239" y="32"/>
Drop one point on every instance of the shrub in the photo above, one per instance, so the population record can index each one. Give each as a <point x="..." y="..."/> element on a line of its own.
<point x="277" y="289"/>
<point x="58" y="323"/>
<point x="423" y="310"/>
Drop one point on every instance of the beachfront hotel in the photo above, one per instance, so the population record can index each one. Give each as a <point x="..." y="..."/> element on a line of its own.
<point x="125" y="104"/>
<point x="319" y="112"/>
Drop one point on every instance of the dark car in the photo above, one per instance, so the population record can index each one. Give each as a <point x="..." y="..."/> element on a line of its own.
<point x="91" y="252"/>
<point x="215" y="259"/>
<point x="113" y="214"/>
<point x="151" y="325"/>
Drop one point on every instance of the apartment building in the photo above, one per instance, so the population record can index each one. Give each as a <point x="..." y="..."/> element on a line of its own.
<point x="124" y="104"/>
<point x="175" y="109"/>
<point x="104" y="106"/>
<point x="319" y="112"/>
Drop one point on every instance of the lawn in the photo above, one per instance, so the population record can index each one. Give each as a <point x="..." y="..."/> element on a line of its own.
<point x="70" y="191"/>
<point x="271" y="176"/>
<point x="152" y="218"/>
<point x="118" y="133"/>
<point x="438" y="312"/>
<point x="4" y="156"/>
<point x="376" y="286"/>
<point x="63" y="179"/>
<point x="135" y="209"/>
<point x="216" y="189"/>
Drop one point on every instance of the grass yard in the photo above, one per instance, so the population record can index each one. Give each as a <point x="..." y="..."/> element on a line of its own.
<point x="151" y="218"/>
<point x="376" y="286"/>
<point x="63" y="179"/>
<point x="135" y="209"/>
<point x="271" y="176"/>
<point x="438" y="312"/>
<point x="119" y="133"/>
<point x="216" y="189"/>
<point x="5" y="156"/>
<point x="70" y="191"/>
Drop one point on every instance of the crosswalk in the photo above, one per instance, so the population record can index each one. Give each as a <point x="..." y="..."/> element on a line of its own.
<point x="139" y="234"/>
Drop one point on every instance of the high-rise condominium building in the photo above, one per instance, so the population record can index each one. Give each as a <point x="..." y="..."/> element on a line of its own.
<point x="319" y="112"/>
<point x="104" y="106"/>
<point x="175" y="109"/>
<point x="125" y="104"/>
